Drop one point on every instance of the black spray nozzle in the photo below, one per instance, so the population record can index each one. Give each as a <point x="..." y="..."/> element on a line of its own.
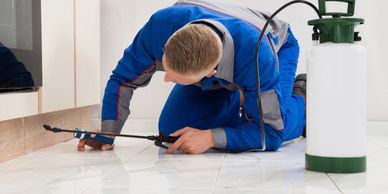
<point x="49" y="128"/>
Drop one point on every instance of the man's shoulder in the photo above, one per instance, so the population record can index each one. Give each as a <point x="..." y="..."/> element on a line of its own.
<point x="171" y="13"/>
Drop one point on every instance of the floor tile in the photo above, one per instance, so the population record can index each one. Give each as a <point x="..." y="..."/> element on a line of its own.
<point x="281" y="176"/>
<point x="156" y="153"/>
<point x="41" y="190"/>
<point x="374" y="180"/>
<point x="166" y="171"/>
<point x="56" y="172"/>
<point x="373" y="147"/>
<point x="146" y="191"/>
<point x="291" y="151"/>
<point x="306" y="190"/>
<point x="69" y="150"/>
<point x="380" y="140"/>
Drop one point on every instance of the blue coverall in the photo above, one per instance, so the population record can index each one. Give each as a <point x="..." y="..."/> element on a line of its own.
<point x="213" y="103"/>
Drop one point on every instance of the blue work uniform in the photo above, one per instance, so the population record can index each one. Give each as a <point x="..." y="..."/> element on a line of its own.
<point x="214" y="103"/>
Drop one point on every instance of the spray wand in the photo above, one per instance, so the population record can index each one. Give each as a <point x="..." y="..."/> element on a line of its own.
<point x="101" y="137"/>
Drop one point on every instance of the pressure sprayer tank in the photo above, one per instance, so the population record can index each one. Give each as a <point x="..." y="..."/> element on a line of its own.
<point x="336" y="95"/>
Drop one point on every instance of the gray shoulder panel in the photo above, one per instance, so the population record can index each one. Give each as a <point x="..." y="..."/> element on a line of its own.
<point x="225" y="68"/>
<point x="277" y="28"/>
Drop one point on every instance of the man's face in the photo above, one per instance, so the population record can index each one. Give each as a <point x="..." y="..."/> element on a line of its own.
<point x="172" y="76"/>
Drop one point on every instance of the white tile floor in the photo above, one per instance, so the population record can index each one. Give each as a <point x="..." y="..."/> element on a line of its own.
<point x="136" y="166"/>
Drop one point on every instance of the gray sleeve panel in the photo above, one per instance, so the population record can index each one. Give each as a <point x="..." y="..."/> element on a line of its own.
<point x="279" y="29"/>
<point x="219" y="138"/>
<point x="111" y="126"/>
<point x="159" y="66"/>
<point x="115" y="126"/>
<point x="124" y="99"/>
<point x="144" y="78"/>
<point x="226" y="69"/>
<point x="271" y="109"/>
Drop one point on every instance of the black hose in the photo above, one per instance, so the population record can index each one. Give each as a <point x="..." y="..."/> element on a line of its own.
<point x="259" y="105"/>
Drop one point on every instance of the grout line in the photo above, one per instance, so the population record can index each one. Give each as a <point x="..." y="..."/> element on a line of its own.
<point x="337" y="186"/>
<point x="75" y="50"/>
<point x="40" y="99"/>
<point x="218" y="174"/>
<point x="24" y="136"/>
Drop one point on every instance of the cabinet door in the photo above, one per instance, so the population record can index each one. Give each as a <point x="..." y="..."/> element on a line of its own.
<point x="87" y="36"/>
<point x="57" y="92"/>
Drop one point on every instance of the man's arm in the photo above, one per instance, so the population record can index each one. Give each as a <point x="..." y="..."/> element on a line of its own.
<point x="134" y="70"/>
<point x="247" y="136"/>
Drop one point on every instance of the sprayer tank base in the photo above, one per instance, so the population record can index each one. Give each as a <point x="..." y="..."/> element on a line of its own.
<point x="335" y="164"/>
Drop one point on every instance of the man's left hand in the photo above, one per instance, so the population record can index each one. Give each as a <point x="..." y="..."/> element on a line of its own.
<point x="192" y="141"/>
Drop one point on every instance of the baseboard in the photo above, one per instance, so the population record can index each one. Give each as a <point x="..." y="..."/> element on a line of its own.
<point x="25" y="135"/>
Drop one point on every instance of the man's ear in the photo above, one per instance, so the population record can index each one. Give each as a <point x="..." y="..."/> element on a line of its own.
<point x="211" y="73"/>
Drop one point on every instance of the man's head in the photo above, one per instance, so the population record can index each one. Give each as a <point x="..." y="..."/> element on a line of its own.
<point x="191" y="53"/>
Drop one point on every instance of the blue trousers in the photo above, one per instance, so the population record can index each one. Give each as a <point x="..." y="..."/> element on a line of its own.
<point x="190" y="106"/>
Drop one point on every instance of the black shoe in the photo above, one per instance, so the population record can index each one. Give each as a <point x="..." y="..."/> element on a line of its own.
<point x="300" y="85"/>
<point x="300" y="88"/>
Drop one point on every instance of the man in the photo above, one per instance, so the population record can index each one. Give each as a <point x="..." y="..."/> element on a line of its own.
<point x="208" y="50"/>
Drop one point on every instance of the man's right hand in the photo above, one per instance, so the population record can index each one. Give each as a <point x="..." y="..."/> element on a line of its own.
<point x="93" y="144"/>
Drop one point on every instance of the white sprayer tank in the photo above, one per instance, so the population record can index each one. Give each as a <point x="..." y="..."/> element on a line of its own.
<point x="336" y="94"/>
<point x="336" y="101"/>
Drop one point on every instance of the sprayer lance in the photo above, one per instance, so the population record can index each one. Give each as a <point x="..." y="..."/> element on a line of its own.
<point x="159" y="139"/>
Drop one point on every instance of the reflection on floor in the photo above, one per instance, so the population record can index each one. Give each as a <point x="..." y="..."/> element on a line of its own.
<point x="137" y="166"/>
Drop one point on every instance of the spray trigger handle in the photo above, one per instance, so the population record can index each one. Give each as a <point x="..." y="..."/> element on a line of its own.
<point x="161" y="138"/>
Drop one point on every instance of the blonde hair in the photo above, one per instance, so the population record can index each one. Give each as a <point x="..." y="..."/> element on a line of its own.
<point x="193" y="49"/>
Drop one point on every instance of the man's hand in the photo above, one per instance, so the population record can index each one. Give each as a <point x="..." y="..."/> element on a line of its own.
<point x="93" y="144"/>
<point x="192" y="141"/>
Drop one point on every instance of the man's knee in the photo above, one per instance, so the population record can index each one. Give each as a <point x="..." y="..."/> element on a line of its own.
<point x="274" y="139"/>
<point x="274" y="145"/>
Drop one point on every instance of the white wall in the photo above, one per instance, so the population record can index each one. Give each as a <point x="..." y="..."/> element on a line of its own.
<point x="121" y="19"/>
